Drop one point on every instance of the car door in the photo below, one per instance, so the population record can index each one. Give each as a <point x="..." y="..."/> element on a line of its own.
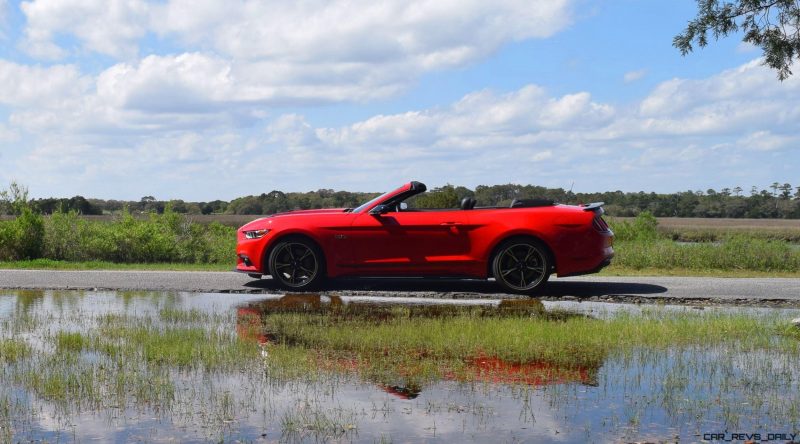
<point x="409" y="242"/>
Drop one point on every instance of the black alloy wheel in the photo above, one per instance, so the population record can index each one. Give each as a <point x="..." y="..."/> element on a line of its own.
<point x="297" y="264"/>
<point x="521" y="266"/>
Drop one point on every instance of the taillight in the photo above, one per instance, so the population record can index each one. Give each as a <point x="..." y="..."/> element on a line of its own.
<point x="600" y="225"/>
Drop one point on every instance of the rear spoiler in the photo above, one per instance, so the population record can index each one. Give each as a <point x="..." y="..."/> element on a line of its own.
<point x="597" y="207"/>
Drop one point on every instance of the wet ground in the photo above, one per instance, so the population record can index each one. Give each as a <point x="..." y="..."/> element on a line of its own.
<point x="76" y="382"/>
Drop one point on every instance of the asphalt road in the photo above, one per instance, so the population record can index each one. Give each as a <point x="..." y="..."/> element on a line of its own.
<point x="685" y="290"/>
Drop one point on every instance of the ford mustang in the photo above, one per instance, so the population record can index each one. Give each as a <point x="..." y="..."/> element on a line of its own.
<point x="519" y="245"/>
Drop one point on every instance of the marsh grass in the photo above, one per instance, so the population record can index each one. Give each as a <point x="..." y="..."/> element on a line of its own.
<point x="184" y="347"/>
<point x="736" y="254"/>
<point x="418" y="349"/>
<point x="721" y="234"/>
<point x="307" y="418"/>
<point x="641" y="245"/>
<point x="13" y="350"/>
<point x="51" y="264"/>
<point x="71" y="342"/>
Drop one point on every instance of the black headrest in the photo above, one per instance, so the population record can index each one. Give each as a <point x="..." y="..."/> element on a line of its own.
<point x="468" y="203"/>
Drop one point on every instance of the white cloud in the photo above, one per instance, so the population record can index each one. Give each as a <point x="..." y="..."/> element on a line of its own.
<point x="296" y="52"/>
<point x="767" y="141"/>
<point x="746" y="82"/>
<point x="8" y="135"/>
<point x="632" y="76"/>
<point x="744" y="98"/>
<point x="110" y="27"/>
<point x="186" y="83"/>
<point x="38" y="87"/>
<point x="431" y="33"/>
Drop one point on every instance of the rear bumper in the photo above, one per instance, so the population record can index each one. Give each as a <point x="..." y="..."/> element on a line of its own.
<point x="604" y="261"/>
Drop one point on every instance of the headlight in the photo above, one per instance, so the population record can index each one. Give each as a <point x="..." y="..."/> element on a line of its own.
<point x="256" y="234"/>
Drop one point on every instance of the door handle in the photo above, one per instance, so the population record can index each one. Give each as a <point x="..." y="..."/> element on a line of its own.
<point x="453" y="226"/>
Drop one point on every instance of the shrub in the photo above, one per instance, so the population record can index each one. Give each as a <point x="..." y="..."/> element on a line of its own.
<point x="643" y="228"/>
<point x="23" y="237"/>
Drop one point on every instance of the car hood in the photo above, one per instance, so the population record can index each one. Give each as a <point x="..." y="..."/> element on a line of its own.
<point x="304" y="212"/>
<point x="294" y="213"/>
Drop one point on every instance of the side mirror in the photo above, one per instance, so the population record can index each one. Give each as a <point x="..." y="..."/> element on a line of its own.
<point x="379" y="209"/>
<point x="403" y="206"/>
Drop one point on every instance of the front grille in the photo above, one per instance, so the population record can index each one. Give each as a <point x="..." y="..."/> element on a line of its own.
<point x="600" y="224"/>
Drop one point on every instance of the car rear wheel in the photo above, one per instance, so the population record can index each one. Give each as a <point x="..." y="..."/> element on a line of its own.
<point x="297" y="264"/>
<point x="521" y="265"/>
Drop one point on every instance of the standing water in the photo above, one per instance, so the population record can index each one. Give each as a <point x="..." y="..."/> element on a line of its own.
<point x="147" y="366"/>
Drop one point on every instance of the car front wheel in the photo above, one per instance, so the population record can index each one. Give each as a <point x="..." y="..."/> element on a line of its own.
<point x="521" y="265"/>
<point x="297" y="264"/>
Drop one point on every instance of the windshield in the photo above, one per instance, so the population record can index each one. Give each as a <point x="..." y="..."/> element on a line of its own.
<point x="364" y="206"/>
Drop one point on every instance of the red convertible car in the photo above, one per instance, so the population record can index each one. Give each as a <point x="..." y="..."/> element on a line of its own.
<point x="519" y="245"/>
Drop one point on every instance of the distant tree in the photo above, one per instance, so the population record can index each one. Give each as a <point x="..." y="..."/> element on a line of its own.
<point x="775" y="186"/>
<point x="14" y="199"/>
<point x="216" y="206"/>
<point x="178" y="206"/>
<point x="245" y="205"/>
<point x="773" y="201"/>
<point x="147" y="203"/>
<point x="444" y="197"/>
<point x="786" y="191"/>
<point x="772" y="25"/>
<point x="463" y="192"/>
<point x="82" y="206"/>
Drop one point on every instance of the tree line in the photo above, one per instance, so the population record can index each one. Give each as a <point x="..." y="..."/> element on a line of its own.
<point x="775" y="201"/>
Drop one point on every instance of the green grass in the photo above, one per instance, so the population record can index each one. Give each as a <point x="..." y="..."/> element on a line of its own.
<point x="49" y="264"/>
<point x="185" y="346"/>
<point x="572" y="341"/>
<point x="307" y="417"/>
<point x="735" y="255"/>
<point x="642" y="247"/>
<point x="13" y="350"/>
<point x="71" y="341"/>
<point x="618" y="270"/>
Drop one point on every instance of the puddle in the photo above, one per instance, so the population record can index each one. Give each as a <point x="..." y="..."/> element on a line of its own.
<point x="148" y="366"/>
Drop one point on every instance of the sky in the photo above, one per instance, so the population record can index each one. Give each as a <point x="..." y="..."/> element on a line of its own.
<point x="202" y="100"/>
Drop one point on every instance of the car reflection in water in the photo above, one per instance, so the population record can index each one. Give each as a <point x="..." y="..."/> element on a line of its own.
<point x="251" y="327"/>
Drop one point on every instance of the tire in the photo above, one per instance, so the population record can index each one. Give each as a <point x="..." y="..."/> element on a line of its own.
<point x="297" y="264"/>
<point x="521" y="265"/>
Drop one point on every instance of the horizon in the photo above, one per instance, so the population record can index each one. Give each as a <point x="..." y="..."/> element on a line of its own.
<point x="745" y="192"/>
